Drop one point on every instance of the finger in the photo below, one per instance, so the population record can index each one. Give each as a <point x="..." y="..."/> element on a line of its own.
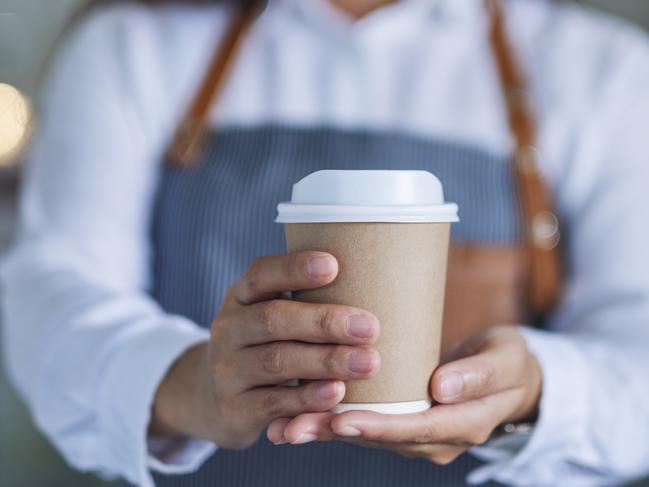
<point x="275" y="431"/>
<point x="498" y="367"/>
<point x="391" y="428"/>
<point x="268" y="277"/>
<point x="434" y="425"/>
<point x="266" y="404"/>
<point x="281" y="320"/>
<point x="309" y="427"/>
<point x="468" y="423"/>
<point x="317" y="426"/>
<point x="277" y="362"/>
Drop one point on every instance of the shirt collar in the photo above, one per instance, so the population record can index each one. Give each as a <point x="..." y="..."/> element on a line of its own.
<point x="398" y="20"/>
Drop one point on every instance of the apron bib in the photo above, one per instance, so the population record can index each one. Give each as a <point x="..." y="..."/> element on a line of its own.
<point x="215" y="218"/>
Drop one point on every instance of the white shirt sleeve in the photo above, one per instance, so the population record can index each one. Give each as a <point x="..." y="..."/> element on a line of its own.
<point x="85" y="344"/>
<point x="593" y="427"/>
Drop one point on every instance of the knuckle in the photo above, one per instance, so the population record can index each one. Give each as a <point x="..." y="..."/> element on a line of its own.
<point x="426" y="435"/>
<point x="272" y="403"/>
<point x="304" y="399"/>
<point x="325" y="321"/>
<point x="331" y="360"/>
<point x="233" y="293"/>
<point x="485" y="377"/>
<point x="269" y="317"/>
<point x="271" y="359"/>
<point x="294" y="265"/>
<point x="252" y="276"/>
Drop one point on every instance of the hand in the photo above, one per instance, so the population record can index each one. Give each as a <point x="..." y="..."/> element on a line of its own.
<point x="229" y="389"/>
<point x="497" y="381"/>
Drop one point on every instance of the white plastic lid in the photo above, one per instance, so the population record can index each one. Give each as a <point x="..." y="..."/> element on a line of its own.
<point x="367" y="196"/>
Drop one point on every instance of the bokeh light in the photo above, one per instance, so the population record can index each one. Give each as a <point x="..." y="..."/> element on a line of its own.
<point x="15" y="123"/>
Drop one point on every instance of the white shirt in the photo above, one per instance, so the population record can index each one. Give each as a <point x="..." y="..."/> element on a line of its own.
<point x="87" y="346"/>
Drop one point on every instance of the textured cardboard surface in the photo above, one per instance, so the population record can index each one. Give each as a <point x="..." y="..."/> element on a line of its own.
<point x="398" y="272"/>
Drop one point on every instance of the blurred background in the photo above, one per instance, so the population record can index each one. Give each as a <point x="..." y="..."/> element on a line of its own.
<point x="28" y="29"/>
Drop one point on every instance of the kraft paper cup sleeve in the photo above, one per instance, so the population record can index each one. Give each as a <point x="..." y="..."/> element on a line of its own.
<point x="396" y="271"/>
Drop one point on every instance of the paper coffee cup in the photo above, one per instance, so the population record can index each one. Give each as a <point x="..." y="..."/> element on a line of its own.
<point x="389" y="231"/>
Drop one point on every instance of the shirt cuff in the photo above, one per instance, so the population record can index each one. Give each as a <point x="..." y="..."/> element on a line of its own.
<point x="132" y="380"/>
<point x="561" y="409"/>
<point x="172" y="456"/>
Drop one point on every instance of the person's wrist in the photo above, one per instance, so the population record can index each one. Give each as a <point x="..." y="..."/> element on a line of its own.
<point x="529" y="410"/>
<point x="178" y="403"/>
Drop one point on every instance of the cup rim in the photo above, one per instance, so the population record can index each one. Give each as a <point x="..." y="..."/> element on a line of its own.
<point x="289" y="212"/>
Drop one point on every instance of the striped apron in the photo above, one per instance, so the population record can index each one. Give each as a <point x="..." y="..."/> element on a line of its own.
<point x="214" y="219"/>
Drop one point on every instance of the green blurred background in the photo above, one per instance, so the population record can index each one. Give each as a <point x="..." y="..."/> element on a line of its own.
<point x="27" y="31"/>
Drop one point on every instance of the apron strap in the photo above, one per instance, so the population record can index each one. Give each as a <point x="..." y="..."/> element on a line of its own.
<point x="540" y="223"/>
<point x="189" y="137"/>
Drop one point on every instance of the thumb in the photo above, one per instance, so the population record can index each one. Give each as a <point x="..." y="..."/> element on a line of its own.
<point x="497" y="366"/>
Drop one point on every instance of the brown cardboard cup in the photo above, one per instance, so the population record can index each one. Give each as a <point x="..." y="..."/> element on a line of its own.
<point x="392" y="254"/>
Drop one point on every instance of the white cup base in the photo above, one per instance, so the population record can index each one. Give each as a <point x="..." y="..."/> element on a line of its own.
<point x="385" y="408"/>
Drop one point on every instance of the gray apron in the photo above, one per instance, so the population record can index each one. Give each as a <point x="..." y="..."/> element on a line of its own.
<point x="214" y="219"/>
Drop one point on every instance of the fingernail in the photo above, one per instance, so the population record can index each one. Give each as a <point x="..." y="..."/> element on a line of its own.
<point x="360" y="362"/>
<point x="361" y="326"/>
<point x="348" y="430"/>
<point x="452" y="385"/>
<point x="280" y="442"/>
<point x="321" y="266"/>
<point x="304" y="438"/>
<point x="329" y="391"/>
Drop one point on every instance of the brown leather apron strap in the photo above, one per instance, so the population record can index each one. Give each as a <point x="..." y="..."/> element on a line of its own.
<point x="543" y="273"/>
<point x="540" y="221"/>
<point x="188" y="139"/>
